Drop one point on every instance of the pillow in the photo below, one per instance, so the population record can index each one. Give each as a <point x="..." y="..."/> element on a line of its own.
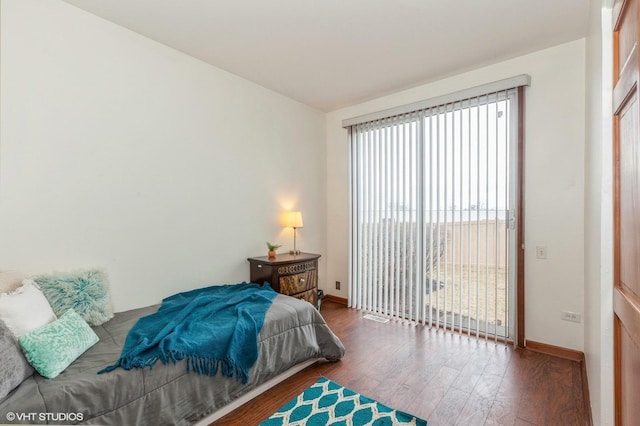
<point x="14" y="369"/>
<point x="53" y="347"/>
<point x="25" y="309"/>
<point x="10" y="280"/>
<point x="86" y="292"/>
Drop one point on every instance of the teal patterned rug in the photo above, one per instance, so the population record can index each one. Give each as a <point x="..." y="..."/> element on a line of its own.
<point x="328" y="403"/>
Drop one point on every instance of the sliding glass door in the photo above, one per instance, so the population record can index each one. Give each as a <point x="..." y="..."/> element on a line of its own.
<point x="433" y="196"/>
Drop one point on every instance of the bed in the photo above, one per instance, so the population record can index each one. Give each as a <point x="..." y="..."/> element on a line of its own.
<point x="294" y="333"/>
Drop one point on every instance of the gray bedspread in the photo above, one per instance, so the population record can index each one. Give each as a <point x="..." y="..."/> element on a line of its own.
<point x="293" y="332"/>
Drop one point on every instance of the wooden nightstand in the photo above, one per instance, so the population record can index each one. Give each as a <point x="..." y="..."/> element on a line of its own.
<point x="293" y="275"/>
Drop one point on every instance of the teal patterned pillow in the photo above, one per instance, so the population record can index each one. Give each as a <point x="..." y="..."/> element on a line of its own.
<point x="53" y="347"/>
<point x="84" y="291"/>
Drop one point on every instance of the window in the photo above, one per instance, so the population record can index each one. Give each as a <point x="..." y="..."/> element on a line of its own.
<point x="434" y="195"/>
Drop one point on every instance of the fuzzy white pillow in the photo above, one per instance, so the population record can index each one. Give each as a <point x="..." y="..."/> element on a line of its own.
<point x="25" y="309"/>
<point x="10" y="280"/>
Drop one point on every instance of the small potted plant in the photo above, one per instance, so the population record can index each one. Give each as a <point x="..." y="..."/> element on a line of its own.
<point x="272" y="249"/>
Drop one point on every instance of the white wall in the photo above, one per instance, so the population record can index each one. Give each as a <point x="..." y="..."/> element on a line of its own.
<point x="119" y="152"/>
<point x="554" y="182"/>
<point x="598" y="339"/>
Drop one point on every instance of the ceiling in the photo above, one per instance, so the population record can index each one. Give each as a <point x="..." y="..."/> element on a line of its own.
<point x="334" y="53"/>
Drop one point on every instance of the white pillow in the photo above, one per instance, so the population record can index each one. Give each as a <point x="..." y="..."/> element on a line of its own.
<point x="25" y="309"/>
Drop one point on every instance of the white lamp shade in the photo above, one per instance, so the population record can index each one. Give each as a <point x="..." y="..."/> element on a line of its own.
<point x="293" y="219"/>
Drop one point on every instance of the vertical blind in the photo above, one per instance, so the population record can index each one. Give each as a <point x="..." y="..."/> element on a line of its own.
<point x="432" y="195"/>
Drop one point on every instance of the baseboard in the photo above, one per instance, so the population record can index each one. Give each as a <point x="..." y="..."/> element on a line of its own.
<point x="571" y="355"/>
<point x="558" y="351"/>
<point x="335" y="299"/>
<point x="585" y="393"/>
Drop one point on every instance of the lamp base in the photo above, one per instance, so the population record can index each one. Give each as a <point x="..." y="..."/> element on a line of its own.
<point x="294" y="252"/>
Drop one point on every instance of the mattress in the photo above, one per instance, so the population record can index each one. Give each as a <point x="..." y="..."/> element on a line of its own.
<point x="293" y="332"/>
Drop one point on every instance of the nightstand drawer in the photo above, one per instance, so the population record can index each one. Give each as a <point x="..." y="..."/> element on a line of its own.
<point x="309" y="296"/>
<point x="292" y="284"/>
<point x="296" y="268"/>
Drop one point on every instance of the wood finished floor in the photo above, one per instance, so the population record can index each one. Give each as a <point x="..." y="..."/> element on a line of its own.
<point x="443" y="377"/>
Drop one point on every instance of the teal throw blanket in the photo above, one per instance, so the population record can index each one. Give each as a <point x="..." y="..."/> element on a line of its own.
<point x="212" y="328"/>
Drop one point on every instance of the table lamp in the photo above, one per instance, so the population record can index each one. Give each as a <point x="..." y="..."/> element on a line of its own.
<point x="294" y="220"/>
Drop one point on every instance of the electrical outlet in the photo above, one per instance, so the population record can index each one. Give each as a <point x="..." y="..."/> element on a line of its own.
<point x="570" y="316"/>
<point x="337" y="285"/>
<point x="541" y="252"/>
